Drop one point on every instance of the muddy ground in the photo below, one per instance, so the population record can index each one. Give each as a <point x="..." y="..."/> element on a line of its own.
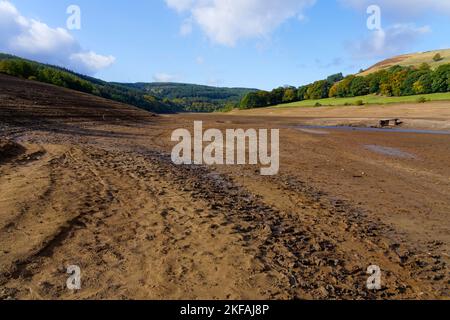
<point x="87" y="182"/>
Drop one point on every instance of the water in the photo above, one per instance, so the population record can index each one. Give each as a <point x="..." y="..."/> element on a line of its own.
<point x="315" y="131"/>
<point x="388" y="151"/>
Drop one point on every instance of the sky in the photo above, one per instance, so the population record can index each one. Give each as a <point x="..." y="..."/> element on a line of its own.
<point x="234" y="43"/>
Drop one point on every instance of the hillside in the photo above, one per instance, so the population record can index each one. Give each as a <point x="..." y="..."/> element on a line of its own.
<point x="411" y="60"/>
<point x="370" y="99"/>
<point x="155" y="97"/>
<point x="193" y="97"/>
<point x="25" y="102"/>
<point x="407" y="78"/>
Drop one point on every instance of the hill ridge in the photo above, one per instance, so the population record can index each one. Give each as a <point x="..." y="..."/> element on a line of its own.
<point x="410" y="60"/>
<point x="152" y="96"/>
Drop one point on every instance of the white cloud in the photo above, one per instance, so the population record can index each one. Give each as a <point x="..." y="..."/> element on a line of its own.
<point x="38" y="38"/>
<point x="165" y="77"/>
<point x="390" y="41"/>
<point x="401" y="36"/>
<point x="11" y="23"/>
<point x="35" y="40"/>
<point x="91" y="61"/>
<point x="180" y="5"/>
<point x="227" y="21"/>
<point x="403" y="7"/>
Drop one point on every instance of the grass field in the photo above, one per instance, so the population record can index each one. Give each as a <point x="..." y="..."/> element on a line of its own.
<point x="370" y="99"/>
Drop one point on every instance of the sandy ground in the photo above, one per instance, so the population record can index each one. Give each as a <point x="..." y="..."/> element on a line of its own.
<point x="90" y="183"/>
<point x="432" y="115"/>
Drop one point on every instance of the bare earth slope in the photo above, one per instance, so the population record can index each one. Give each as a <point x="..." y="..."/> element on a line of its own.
<point x="87" y="182"/>
<point x="24" y="101"/>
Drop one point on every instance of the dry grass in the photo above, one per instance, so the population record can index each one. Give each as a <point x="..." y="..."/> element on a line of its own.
<point x="413" y="59"/>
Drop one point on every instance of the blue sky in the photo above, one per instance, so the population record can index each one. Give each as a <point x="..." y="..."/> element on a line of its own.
<point x="248" y="43"/>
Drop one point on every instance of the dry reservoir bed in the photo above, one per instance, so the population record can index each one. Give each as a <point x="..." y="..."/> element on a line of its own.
<point x="102" y="193"/>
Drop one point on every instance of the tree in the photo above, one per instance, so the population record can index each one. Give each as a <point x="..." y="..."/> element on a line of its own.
<point x="437" y="57"/>
<point x="301" y="93"/>
<point x="318" y="90"/>
<point x="276" y="96"/>
<point x="441" y="77"/>
<point x="396" y="79"/>
<point x="425" y="67"/>
<point x="334" y="83"/>
<point x="255" y="100"/>
<point x="343" y="88"/>
<point x="375" y="79"/>
<point x="424" y="84"/>
<point x="412" y="77"/>
<point x="359" y="87"/>
<point x="335" y="78"/>
<point x="290" y="95"/>
<point x="418" y="87"/>
<point x="386" y="89"/>
<point x="12" y="67"/>
<point x="333" y="90"/>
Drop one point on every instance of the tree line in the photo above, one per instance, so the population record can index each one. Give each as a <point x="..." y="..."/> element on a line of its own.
<point x="34" y="71"/>
<point x="61" y="77"/>
<point x="192" y="97"/>
<point x="155" y="97"/>
<point x="395" y="81"/>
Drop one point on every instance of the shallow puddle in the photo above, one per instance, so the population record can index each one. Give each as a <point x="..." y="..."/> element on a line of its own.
<point x="388" y="151"/>
<point x="314" y="131"/>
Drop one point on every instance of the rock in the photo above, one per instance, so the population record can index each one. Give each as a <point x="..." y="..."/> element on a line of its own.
<point x="438" y="277"/>
<point x="293" y="281"/>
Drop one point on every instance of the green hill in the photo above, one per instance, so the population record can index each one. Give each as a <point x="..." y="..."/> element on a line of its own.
<point x="193" y="97"/>
<point x="413" y="77"/>
<point x="155" y="97"/>
<point x="370" y="99"/>
<point x="61" y="77"/>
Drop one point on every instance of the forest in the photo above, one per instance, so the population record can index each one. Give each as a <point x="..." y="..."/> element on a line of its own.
<point x="393" y="82"/>
<point x="31" y="70"/>
<point x="155" y="97"/>
<point x="194" y="98"/>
